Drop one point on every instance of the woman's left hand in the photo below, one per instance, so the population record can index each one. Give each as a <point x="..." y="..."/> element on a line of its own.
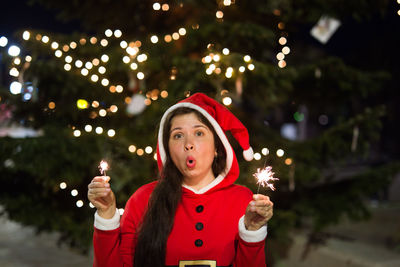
<point x="258" y="212"/>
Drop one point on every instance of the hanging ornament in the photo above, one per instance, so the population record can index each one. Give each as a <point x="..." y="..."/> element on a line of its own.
<point x="137" y="104"/>
<point x="325" y="28"/>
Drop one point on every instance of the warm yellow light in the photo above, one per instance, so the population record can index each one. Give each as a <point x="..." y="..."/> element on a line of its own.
<point x="286" y="50"/>
<point x="132" y="50"/>
<point x="119" y="88"/>
<point x="225" y="51"/>
<point x="77" y="133"/>
<point x="132" y="148"/>
<point x="165" y="7"/>
<point x="207" y="59"/>
<point x="280" y="152"/>
<point x="63" y="185"/>
<point x="88" y="128"/>
<point x="280" y="56"/>
<point x="51" y="105"/>
<point x="148" y="149"/>
<point x="95" y="61"/>
<point x="164" y="94"/>
<point x="99" y="130"/>
<point x="28" y="58"/>
<point x="288" y="161"/>
<point x="227" y="101"/>
<point x="282" y="64"/>
<point x="247" y="58"/>
<point x="257" y="156"/>
<point x="78" y="63"/>
<point x="14" y="72"/>
<point x="58" y="53"/>
<point x="134" y="66"/>
<point x="68" y="59"/>
<point x="141" y="57"/>
<point x="154" y="39"/>
<point x="123" y="44"/>
<point x="216" y="58"/>
<point x="126" y="59"/>
<point x="227" y="2"/>
<point x="108" y="33"/>
<point x="54" y="45"/>
<point x="45" y="39"/>
<point x="105" y="82"/>
<point x="95" y="104"/>
<point x="265" y="151"/>
<point x="117" y="33"/>
<point x="167" y="38"/>
<point x="82" y="104"/>
<point x="67" y="67"/>
<point x="182" y="31"/>
<point x="175" y="36"/>
<point x="140" y="75"/>
<point x="94" y="78"/>
<point x="219" y="14"/>
<point x="26" y="35"/>
<point x="79" y="203"/>
<point x="38" y="37"/>
<point x="113" y="108"/>
<point x="242" y="68"/>
<point x="111" y="133"/>
<point x="282" y="41"/>
<point x="250" y="66"/>
<point x="74" y="192"/>
<point x="104" y="42"/>
<point x="102" y="70"/>
<point x="84" y="72"/>
<point x="88" y="65"/>
<point x="73" y="45"/>
<point x="156" y="6"/>
<point x="104" y="58"/>
<point x="140" y="152"/>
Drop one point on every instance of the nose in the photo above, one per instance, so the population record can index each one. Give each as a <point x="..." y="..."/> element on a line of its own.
<point x="189" y="144"/>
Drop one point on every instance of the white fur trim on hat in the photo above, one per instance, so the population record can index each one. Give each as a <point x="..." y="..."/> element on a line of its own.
<point x="248" y="154"/>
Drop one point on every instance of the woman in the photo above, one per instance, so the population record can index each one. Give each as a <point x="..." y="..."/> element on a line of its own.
<point x="193" y="215"/>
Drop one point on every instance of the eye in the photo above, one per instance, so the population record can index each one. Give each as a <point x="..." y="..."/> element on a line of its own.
<point x="177" y="136"/>
<point x="199" y="133"/>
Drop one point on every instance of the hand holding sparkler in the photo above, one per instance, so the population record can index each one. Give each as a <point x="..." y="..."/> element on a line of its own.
<point x="100" y="193"/>
<point x="260" y="210"/>
<point x="265" y="177"/>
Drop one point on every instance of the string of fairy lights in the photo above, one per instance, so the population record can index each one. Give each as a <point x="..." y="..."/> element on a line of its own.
<point x="96" y="70"/>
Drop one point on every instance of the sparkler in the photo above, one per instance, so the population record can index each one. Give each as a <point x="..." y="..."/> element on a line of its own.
<point x="103" y="167"/>
<point x="264" y="178"/>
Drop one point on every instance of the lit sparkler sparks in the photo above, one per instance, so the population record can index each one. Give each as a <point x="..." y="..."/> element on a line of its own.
<point x="265" y="177"/>
<point x="103" y="167"/>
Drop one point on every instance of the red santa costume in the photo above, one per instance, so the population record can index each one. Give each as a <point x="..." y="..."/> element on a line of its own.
<point x="209" y="226"/>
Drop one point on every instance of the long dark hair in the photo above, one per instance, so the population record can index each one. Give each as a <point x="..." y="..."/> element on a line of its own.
<point x="158" y="221"/>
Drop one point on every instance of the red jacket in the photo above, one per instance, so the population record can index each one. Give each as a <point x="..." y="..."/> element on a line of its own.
<point x="205" y="228"/>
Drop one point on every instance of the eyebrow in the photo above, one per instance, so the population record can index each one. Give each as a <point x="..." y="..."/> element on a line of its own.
<point x="195" y="126"/>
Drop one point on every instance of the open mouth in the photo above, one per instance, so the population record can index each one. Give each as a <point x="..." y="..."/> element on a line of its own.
<point x="190" y="162"/>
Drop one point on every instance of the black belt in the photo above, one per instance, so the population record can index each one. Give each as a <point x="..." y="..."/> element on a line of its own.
<point x="197" y="263"/>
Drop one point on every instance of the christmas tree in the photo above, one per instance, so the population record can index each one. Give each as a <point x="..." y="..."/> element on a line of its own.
<point x="315" y="90"/>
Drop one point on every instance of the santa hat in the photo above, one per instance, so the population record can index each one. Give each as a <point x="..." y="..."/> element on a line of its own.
<point x="220" y="118"/>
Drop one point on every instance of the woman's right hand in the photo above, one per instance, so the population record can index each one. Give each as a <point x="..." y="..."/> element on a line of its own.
<point x="102" y="197"/>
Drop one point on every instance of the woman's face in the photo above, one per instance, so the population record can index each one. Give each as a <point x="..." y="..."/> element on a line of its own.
<point x="192" y="149"/>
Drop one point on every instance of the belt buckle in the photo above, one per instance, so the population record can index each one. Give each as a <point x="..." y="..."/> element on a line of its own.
<point x="201" y="263"/>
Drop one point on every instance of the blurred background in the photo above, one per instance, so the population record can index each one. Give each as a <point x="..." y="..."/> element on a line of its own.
<point x="314" y="82"/>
